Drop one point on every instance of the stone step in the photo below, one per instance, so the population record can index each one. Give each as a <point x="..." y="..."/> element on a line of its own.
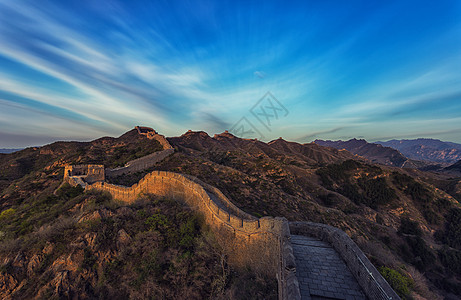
<point x="321" y="272"/>
<point x="309" y="242"/>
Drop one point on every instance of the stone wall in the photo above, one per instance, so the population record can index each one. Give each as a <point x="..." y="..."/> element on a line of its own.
<point x="150" y="133"/>
<point x="140" y="164"/>
<point x="247" y="241"/>
<point x="221" y="198"/>
<point x="373" y="284"/>
<point x="147" y="161"/>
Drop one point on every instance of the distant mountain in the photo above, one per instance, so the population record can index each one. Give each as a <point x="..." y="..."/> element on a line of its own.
<point x="374" y="152"/>
<point x="427" y="149"/>
<point x="5" y="150"/>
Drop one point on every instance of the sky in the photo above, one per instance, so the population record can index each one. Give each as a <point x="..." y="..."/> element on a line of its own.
<point x="378" y="70"/>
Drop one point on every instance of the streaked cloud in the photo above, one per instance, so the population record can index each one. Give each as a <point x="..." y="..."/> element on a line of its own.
<point x="311" y="135"/>
<point x="260" y="74"/>
<point x="100" y="68"/>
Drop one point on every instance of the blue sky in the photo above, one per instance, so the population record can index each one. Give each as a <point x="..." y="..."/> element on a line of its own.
<point x="77" y="70"/>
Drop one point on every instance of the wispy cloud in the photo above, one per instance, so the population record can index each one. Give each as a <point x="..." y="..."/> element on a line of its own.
<point x="260" y="74"/>
<point x="114" y="90"/>
<point x="105" y="66"/>
<point x="311" y="135"/>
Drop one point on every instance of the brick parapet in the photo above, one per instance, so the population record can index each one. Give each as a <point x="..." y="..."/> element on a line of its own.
<point x="287" y="280"/>
<point x="231" y="207"/>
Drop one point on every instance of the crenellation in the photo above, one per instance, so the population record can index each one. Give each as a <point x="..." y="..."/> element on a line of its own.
<point x="250" y="225"/>
<point x="236" y="222"/>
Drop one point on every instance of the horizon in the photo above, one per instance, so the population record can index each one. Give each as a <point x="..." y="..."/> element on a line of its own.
<point x="302" y="71"/>
<point x="212" y="135"/>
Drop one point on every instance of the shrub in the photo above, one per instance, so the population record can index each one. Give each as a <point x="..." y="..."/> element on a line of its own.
<point x="399" y="282"/>
<point x="431" y="216"/>
<point x="67" y="191"/>
<point x="329" y="199"/>
<point x="107" y="233"/>
<point x="89" y="260"/>
<point x="7" y="213"/>
<point x="351" y="191"/>
<point x="451" y="259"/>
<point x="337" y="172"/>
<point x="401" y="180"/>
<point x="412" y="188"/>
<point x="376" y="191"/>
<point x="418" y="192"/>
<point x="188" y="232"/>
<point x="453" y="228"/>
<point x="408" y="226"/>
<point x="379" y="219"/>
<point x="421" y="255"/>
<point x="367" y="190"/>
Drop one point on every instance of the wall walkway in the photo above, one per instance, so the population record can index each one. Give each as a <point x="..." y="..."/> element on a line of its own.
<point x="321" y="272"/>
<point x="372" y="284"/>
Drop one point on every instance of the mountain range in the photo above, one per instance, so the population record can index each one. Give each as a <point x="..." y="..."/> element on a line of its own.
<point x="427" y="150"/>
<point x="433" y="155"/>
<point x="403" y="219"/>
<point x="7" y="150"/>
<point x="373" y="152"/>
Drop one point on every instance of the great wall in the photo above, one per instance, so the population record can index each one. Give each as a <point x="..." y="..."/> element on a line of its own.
<point x="290" y="251"/>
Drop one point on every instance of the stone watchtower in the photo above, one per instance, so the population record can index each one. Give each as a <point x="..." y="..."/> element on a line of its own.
<point x="87" y="173"/>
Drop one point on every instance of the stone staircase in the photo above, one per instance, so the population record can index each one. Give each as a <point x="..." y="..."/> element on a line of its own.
<point x="321" y="272"/>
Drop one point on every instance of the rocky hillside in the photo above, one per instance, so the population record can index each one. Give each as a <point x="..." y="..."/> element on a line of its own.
<point x="50" y="159"/>
<point x="58" y="242"/>
<point x="406" y="221"/>
<point x="398" y="217"/>
<point x="87" y="246"/>
<point x="427" y="150"/>
<point x="456" y="168"/>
